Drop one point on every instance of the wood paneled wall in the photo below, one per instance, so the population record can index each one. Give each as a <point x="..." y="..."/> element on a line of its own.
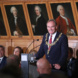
<point x="24" y="44"/>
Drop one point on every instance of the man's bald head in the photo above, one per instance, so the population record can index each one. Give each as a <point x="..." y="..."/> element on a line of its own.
<point x="43" y="66"/>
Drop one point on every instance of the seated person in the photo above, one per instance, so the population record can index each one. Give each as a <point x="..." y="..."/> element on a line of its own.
<point x="13" y="60"/>
<point x="45" y="70"/>
<point x="72" y="65"/>
<point x="44" y="67"/>
<point x="2" y="57"/>
<point x="10" y="72"/>
<point x="17" y="51"/>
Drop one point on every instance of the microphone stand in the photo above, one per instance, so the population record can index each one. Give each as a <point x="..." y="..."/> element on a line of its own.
<point x="30" y="44"/>
<point x="34" y="48"/>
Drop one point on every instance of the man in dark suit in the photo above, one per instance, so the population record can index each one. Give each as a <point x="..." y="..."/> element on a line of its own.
<point x="55" y="46"/>
<point x="72" y="65"/>
<point x="17" y="23"/>
<point x="2" y="57"/>
<point x="40" y="27"/>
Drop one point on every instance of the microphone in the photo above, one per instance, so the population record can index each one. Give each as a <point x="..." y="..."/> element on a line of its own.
<point x="31" y="43"/>
<point x="31" y="55"/>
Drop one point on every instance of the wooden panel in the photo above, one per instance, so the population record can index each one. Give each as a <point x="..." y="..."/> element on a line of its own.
<point x="6" y="44"/>
<point x="23" y="44"/>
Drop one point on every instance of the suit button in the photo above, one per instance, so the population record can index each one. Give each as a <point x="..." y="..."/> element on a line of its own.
<point x="48" y="56"/>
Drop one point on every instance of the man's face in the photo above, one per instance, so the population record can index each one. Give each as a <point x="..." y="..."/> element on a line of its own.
<point x="37" y="11"/>
<point x="61" y="11"/>
<point x="51" y="27"/>
<point x="14" y="12"/>
<point x="1" y="52"/>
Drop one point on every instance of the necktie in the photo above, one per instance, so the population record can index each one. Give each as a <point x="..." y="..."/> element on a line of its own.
<point x="50" y="41"/>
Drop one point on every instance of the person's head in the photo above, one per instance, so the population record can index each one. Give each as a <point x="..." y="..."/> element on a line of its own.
<point x="17" y="51"/>
<point x="37" y="10"/>
<point x="2" y="51"/>
<point x="13" y="10"/>
<point x="43" y="66"/>
<point x="51" y="26"/>
<point x="70" y="52"/>
<point x="13" y="60"/>
<point x="10" y="72"/>
<point x="61" y="10"/>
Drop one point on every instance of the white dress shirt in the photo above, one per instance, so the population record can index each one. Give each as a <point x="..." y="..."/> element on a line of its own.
<point x="1" y="58"/>
<point x="15" y="20"/>
<point x="38" y="17"/>
<point x="53" y="37"/>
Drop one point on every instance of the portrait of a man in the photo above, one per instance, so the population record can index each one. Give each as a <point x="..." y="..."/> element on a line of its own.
<point x="38" y="17"/>
<point x="16" y="20"/>
<point x="2" y="26"/>
<point x="63" y="15"/>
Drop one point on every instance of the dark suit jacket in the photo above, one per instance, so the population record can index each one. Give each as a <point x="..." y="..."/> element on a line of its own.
<point x="45" y="76"/>
<point x="21" y="24"/>
<point x="72" y="68"/>
<point x="3" y="63"/>
<point x="58" y="52"/>
<point x="41" y="27"/>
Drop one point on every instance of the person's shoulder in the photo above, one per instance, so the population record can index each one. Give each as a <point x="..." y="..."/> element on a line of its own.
<point x="74" y="59"/>
<point x="5" y="57"/>
<point x="41" y="18"/>
<point x="45" y="76"/>
<point x="58" y="18"/>
<point x="46" y="34"/>
<point x="63" y="36"/>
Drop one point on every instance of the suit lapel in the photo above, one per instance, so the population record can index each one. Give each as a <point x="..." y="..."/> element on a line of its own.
<point x="47" y="41"/>
<point x="48" y="37"/>
<point x="57" y="34"/>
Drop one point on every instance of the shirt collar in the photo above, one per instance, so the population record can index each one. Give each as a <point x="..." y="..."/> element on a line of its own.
<point x="1" y="58"/>
<point x="54" y="34"/>
<point x="63" y="16"/>
<point x="70" y="59"/>
<point x="15" y="17"/>
<point x="38" y="17"/>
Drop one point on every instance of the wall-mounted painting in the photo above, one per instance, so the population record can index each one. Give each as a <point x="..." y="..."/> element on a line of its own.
<point x="2" y="26"/>
<point x="38" y="18"/>
<point x="16" y="19"/>
<point x="62" y="13"/>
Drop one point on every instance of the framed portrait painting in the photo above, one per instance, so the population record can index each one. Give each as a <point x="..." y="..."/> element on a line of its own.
<point x="2" y="25"/>
<point x="16" y="19"/>
<point x="62" y="13"/>
<point x="38" y="16"/>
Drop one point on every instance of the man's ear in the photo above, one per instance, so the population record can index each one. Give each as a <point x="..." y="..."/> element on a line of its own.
<point x="50" y="66"/>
